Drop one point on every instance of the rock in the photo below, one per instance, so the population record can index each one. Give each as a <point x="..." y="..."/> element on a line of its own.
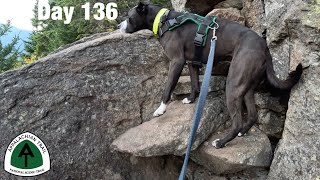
<point x="201" y="7"/>
<point x="250" y="151"/>
<point x="294" y="29"/>
<point x="298" y="153"/>
<point x="230" y="4"/>
<point x="254" y="14"/>
<point x="281" y="58"/>
<point x="271" y="114"/>
<point x="252" y="174"/>
<point x="179" y="5"/>
<point x="198" y="172"/>
<point x="217" y="83"/>
<point x="293" y="34"/>
<point x="202" y="174"/>
<point x="155" y="168"/>
<point x="271" y="122"/>
<point x="231" y="14"/>
<point x="79" y="99"/>
<point x="169" y="133"/>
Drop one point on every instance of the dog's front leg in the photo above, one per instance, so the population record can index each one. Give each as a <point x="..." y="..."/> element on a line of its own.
<point x="195" y="88"/>
<point x="175" y="69"/>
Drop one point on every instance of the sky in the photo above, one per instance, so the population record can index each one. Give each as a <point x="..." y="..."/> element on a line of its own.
<point x="19" y="12"/>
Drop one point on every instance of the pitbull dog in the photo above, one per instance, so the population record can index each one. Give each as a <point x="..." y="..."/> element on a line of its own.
<point x="249" y="56"/>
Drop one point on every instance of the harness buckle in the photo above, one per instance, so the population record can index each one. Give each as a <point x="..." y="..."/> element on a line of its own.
<point x="163" y="18"/>
<point x="198" y="40"/>
<point x="171" y="22"/>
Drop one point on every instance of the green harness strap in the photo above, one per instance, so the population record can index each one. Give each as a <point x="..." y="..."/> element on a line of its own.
<point x="204" y="24"/>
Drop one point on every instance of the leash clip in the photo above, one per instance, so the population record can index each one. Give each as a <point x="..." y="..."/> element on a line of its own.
<point x="214" y="28"/>
<point x="214" y="37"/>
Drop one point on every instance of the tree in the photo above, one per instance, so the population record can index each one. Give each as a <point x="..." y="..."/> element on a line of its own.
<point x="9" y="54"/>
<point x="51" y="34"/>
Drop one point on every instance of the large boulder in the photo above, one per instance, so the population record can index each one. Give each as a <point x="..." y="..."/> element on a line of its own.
<point x="298" y="153"/>
<point x="293" y="34"/>
<point x="254" y="13"/>
<point x="231" y="14"/>
<point x="201" y="7"/>
<point x="79" y="99"/>
<point x="271" y="114"/>
<point x="169" y="133"/>
<point x="238" y="4"/>
<point x="248" y="152"/>
<point x="294" y="30"/>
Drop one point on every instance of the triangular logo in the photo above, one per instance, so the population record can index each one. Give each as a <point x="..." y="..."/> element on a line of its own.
<point x="27" y="155"/>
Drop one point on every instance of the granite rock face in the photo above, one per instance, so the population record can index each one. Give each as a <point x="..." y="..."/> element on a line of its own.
<point x="248" y="152"/>
<point x="271" y="114"/>
<point x="169" y="133"/>
<point x="238" y="4"/>
<point x="79" y="99"/>
<point x="298" y="153"/>
<point x="231" y="14"/>
<point x="293" y="36"/>
<point x="201" y="7"/>
<point x="254" y="13"/>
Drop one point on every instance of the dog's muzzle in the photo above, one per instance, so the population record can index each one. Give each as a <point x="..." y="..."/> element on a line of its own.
<point x="123" y="26"/>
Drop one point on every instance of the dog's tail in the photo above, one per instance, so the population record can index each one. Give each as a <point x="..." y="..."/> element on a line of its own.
<point x="273" y="79"/>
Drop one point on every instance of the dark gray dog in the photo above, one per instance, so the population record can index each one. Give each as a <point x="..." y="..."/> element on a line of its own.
<point x="251" y="63"/>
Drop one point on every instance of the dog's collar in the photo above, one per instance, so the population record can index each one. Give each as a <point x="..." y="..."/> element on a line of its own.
<point x="157" y="20"/>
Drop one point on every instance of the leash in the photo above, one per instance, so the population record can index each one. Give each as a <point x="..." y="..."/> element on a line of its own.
<point x="201" y="102"/>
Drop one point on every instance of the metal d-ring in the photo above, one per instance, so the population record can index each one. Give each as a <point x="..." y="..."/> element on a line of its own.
<point x="215" y="26"/>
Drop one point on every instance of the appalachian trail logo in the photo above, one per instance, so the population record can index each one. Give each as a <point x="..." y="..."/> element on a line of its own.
<point x="27" y="155"/>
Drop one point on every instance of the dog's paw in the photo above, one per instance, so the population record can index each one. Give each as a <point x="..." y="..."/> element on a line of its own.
<point x="186" y="101"/>
<point x="240" y="134"/>
<point x="161" y="110"/>
<point x="217" y="144"/>
<point x="158" y="113"/>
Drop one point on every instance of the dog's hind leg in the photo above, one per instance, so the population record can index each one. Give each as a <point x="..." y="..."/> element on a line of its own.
<point x="175" y="69"/>
<point x="195" y="88"/>
<point x="234" y="104"/>
<point x="237" y="85"/>
<point x="252" y="112"/>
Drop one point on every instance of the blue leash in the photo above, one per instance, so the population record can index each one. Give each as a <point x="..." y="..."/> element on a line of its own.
<point x="201" y="102"/>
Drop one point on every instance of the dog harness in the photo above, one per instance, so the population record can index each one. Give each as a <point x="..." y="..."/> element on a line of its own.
<point x="162" y="25"/>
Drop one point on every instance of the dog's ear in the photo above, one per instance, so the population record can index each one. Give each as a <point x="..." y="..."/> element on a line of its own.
<point x="142" y="8"/>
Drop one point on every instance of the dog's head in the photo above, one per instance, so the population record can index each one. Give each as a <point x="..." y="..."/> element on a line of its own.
<point x="137" y="19"/>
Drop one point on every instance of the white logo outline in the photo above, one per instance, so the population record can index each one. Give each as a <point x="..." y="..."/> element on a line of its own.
<point x="27" y="172"/>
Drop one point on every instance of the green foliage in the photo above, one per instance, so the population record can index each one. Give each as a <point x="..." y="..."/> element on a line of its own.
<point x="51" y="34"/>
<point x="162" y="3"/>
<point x="9" y="54"/>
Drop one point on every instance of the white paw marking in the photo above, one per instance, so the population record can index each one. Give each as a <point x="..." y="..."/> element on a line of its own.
<point x="186" y="101"/>
<point x="161" y="110"/>
<point x="123" y="26"/>
<point x="214" y="143"/>
<point x="240" y="134"/>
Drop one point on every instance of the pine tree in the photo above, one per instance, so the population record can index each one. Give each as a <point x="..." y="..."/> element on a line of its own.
<point x="9" y="54"/>
<point x="51" y="34"/>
